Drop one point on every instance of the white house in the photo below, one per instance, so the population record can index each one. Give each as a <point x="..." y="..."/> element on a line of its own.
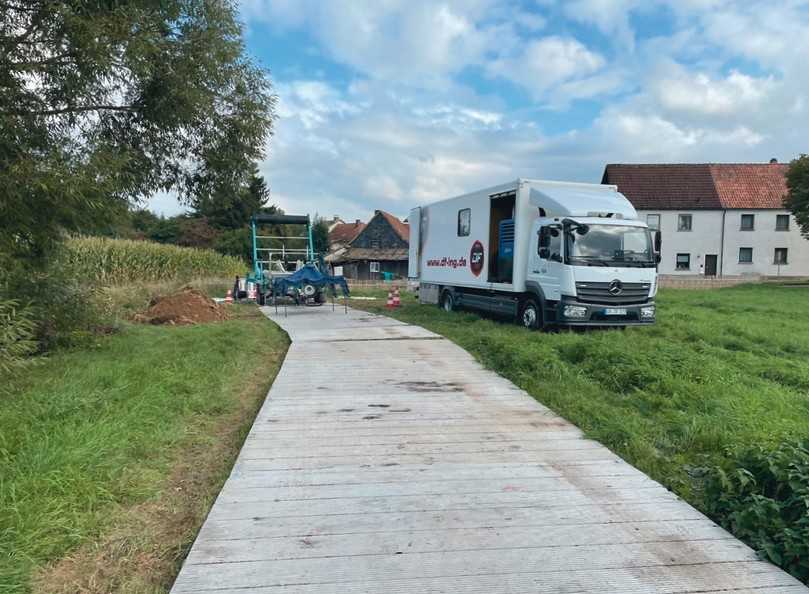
<point x="717" y="219"/>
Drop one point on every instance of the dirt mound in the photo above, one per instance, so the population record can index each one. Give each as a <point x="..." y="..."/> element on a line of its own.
<point x="188" y="306"/>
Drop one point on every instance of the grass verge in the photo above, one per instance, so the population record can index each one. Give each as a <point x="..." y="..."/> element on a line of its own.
<point x="111" y="456"/>
<point x="721" y="372"/>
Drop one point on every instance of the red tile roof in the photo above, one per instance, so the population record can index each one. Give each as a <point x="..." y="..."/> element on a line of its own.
<point x="700" y="186"/>
<point x="345" y="232"/>
<point x="402" y="229"/>
<point x="751" y="186"/>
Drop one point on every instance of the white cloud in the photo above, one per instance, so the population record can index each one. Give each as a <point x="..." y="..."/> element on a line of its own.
<point x="415" y="40"/>
<point x="548" y="63"/>
<point x="699" y="93"/>
<point x="611" y="17"/>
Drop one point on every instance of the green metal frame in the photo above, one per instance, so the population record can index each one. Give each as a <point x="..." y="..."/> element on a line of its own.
<point x="257" y="275"/>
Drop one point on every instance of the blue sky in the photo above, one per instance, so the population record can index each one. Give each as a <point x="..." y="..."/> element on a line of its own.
<point x="392" y="103"/>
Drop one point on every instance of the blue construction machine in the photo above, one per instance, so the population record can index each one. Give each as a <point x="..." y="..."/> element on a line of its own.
<point x="285" y="265"/>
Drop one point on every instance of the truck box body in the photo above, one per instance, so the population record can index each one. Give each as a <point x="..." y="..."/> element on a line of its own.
<point x="483" y="246"/>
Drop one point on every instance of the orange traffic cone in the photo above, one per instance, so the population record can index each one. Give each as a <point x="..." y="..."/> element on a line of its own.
<point x="229" y="296"/>
<point x="390" y="300"/>
<point x="397" y="302"/>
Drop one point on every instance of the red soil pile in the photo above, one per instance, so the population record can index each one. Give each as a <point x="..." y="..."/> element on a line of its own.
<point x="189" y="306"/>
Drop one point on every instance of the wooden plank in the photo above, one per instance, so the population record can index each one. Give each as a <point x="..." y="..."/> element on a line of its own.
<point x="428" y="519"/>
<point x="727" y="578"/>
<point x="378" y="568"/>
<point x="441" y="539"/>
<point x="271" y="507"/>
<point x="236" y="490"/>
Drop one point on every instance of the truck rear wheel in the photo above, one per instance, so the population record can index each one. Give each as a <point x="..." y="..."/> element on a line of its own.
<point x="531" y="314"/>
<point x="447" y="301"/>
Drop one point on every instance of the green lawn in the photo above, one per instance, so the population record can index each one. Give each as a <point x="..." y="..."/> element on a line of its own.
<point x="721" y="370"/>
<point x="95" y="439"/>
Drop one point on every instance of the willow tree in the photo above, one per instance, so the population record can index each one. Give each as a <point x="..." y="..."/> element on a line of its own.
<point x="103" y="103"/>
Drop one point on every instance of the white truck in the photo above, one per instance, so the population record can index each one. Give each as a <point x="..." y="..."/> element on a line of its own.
<point x="545" y="252"/>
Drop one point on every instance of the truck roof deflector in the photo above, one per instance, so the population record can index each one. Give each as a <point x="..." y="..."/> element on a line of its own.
<point x="577" y="201"/>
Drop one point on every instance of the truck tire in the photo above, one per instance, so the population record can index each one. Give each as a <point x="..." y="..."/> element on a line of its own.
<point x="531" y="314"/>
<point x="447" y="301"/>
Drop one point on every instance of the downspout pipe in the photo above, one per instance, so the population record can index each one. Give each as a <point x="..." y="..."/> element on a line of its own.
<point x="722" y="246"/>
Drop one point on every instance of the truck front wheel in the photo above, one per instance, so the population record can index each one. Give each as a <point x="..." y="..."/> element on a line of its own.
<point x="531" y="314"/>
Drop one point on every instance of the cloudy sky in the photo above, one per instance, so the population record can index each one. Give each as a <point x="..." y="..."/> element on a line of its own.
<point x="392" y="103"/>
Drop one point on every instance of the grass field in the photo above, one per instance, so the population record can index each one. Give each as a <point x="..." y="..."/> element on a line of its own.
<point x="111" y="456"/>
<point x="721" y="371"/>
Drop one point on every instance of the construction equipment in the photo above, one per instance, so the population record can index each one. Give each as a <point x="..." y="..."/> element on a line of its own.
<point x="286" y="265"/>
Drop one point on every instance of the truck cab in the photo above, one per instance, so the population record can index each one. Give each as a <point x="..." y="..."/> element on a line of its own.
<point x="592" y="270"/>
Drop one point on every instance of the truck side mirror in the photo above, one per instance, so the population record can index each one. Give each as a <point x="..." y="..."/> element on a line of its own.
<point x="544" y="237"/>
<point x="658" y="241"/>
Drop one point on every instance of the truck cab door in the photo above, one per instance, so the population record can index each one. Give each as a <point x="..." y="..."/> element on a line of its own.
<point x="546" y="260"/>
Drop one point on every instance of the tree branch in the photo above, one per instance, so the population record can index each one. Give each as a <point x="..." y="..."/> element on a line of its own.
<point x="72" y="109"/>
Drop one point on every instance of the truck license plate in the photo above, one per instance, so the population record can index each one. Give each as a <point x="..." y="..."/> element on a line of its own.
<point x="615" y="311"/>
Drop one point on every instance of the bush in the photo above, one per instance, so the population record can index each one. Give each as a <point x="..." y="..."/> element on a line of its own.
<point x="763" y="498"/>
<point x="121" y="261"/>
<point x="17" y="335"/>
<point x="66" y="307"/>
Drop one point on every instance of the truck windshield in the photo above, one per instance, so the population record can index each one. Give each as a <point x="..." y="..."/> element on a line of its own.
<point x="609" y="245"/>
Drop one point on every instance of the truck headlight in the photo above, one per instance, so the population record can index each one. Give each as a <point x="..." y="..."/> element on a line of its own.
<point x="648" y="312"/>
<point x="574" y="311"/>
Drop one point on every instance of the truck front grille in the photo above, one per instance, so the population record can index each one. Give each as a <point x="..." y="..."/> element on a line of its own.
<point x="593" y="292"/>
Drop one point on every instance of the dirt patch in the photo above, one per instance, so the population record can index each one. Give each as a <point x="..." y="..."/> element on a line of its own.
<point x="431" y="386"/>
<point x="187" y="306"/>
<point x="143" y="553"/>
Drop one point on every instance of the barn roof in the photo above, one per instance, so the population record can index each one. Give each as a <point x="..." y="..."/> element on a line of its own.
<point x="694" y="186"/>
<point x="402" y="229"/>
<point x="345" y="232"/>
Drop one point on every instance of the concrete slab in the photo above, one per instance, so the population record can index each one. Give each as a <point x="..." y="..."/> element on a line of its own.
<point x="386" y="460"/>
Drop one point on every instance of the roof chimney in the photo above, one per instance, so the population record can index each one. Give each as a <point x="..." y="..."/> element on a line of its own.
<point x="773" y="161"/>
<point x="358" y="222"/>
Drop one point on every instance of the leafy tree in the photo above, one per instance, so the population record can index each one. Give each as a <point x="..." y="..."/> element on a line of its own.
<point x="235" y="242"/>
<point x="103" y="103"/>
<point x="797" y="200"/>
<point x="196" y="232"/>
<point x="320" y="236"/>
<point x="231" y="207"/>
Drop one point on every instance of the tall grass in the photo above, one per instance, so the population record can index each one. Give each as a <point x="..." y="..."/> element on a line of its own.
<point x="111" y="262"/>
<point x="17" y="336"/>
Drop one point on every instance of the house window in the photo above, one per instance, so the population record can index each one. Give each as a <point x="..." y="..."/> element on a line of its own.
<point x="464" y="222"/>
<point x="373" y="266"/>
<point x="780" y="256"/>
<point x="683" y="262"/>
<point x="745" y="255"/>
<point x="653" y="221"/>
<point x="684" y="222"/>
<point x="748" y="222"/>
<point x="782" y="222"/>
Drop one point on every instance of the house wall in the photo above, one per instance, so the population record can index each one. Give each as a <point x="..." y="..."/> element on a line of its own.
<point x="361" y="270"/>
<point x="705" y="237"/>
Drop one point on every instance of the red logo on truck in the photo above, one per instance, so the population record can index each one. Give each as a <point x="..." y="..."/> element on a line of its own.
<point x="476" y="256"/>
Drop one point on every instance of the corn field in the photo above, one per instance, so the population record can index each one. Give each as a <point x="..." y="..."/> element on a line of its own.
<point x="121" y="261"/>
